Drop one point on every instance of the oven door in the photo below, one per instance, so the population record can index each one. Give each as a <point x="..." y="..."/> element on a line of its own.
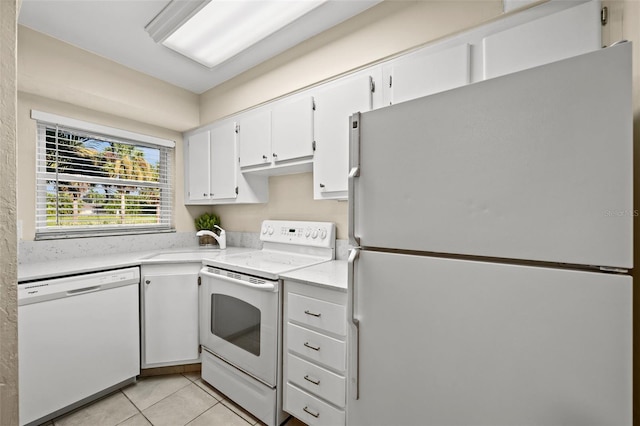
<point x="239" y="321"/>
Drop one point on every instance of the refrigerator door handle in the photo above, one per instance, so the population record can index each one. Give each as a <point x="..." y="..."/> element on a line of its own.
<point x="354" y="344"/>
<point x="354" y="172"/>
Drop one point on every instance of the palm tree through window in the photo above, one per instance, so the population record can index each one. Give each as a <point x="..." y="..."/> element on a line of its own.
<point x="94" y="182"/>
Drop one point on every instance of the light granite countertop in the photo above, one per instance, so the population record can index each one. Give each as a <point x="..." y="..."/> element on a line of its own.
<point x="80" y="265"/>
<point x="328" y="274"/>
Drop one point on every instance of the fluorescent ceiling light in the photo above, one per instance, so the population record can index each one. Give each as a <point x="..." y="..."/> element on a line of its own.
<point x="223" y="28"/>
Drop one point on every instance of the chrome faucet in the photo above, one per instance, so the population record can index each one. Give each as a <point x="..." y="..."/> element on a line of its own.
<point x="222" y="239"/>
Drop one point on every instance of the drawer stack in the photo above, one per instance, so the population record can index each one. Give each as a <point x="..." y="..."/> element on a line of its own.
<point x="315" y="354"/>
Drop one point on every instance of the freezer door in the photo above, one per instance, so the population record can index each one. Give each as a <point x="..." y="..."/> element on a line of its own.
<point x="532" y="165"/>
<point x="451" y="342"/>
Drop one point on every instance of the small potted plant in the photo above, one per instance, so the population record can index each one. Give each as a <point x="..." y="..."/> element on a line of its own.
<point x="207" y="221"/>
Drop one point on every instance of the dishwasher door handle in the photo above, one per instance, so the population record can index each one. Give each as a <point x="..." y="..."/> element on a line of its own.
<point x="83" y="290"/>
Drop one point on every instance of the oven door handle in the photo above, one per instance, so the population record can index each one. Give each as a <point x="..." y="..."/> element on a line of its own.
<point x="262" y="287"/>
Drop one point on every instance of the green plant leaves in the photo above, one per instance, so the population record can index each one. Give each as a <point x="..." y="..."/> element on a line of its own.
<point x="207" y="221"/>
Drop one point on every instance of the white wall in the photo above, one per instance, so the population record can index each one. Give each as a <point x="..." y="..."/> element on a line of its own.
<point x="8" y="244"/>
<point x="52" y="69"/>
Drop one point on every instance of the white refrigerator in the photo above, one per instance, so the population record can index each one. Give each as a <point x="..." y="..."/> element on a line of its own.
<point x="490" y="283"/>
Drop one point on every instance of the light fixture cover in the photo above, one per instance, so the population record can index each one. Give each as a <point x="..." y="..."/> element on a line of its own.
<point x="174" y="14"/>
<point x="223" y="28"/>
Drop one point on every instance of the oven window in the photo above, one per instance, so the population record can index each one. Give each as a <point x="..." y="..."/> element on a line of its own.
<point x="236" y="321"/>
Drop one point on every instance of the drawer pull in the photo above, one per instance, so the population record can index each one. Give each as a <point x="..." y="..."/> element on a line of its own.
<point x="315" y="348"/>
<point x="309" y="379"/>
<point x="308" y="312"/>
<point x="314" y="414"/>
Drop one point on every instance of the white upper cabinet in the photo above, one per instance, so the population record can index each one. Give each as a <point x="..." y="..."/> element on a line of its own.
<point x="425" y="73"/>
<point x="211" y="164"/>
<point x="212" y="172"/>
<point x="254" y="138"/>
<point x="198" y="157"/>
<point x="571" y="32"/>
<point x="277" y="138"/>
<point x="223" y="161"/>
<point x="334" y="106"/>
<point x="309" y="129"/>
<point x="292" y="130"/>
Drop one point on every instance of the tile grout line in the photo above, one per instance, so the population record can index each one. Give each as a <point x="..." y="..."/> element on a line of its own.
<point x="202" y="414"/>
<point x="222" y="401"/>
<point x="178" y="390"/>
<point x="232" y="406"/>
<point x="218" y="401"/>
<point x="137" y="408"/>
<point x="157" y="402"/>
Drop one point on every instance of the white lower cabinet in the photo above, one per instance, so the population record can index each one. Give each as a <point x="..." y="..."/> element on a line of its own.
<point x="314" y="353"/>
<point x="169" y="309"/>
<point x="313" y="378"/>
<point x="311" y="410"/>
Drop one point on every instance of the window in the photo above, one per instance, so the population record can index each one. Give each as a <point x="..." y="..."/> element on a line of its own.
<point x="100" y="183"/>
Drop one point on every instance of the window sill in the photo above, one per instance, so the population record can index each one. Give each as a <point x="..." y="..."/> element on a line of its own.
<point x="64" y="235"/>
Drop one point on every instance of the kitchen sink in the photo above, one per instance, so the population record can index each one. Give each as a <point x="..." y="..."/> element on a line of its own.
<point x="184" y="256"/>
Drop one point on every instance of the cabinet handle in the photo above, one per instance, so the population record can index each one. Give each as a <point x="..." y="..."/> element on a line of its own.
<point x="309" y="379"/>
<point x="274" y="155"/>
<point x="147" y="282"/>
<point x="315" y="348"/>
<point x="313" y="413"/>
<point x="322" y="185"/>
<point x="308" y="312"/>
<point x="264" y="157"/>
<point x="211" y="194"/>
<point x="204" y="194"/>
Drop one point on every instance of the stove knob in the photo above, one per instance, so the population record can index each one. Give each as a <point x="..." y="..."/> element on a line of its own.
<point x="307" y="232"/>
<point x="323" y="234"/>
<point x="270" y="231"/>
<point x="314" y="234"/>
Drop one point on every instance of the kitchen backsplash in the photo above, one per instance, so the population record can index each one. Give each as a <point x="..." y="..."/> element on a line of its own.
<point x="50" y="250"/>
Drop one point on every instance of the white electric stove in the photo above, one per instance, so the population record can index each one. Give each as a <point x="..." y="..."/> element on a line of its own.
<point x="287" y="245"/>
<point x="240" y="313"/>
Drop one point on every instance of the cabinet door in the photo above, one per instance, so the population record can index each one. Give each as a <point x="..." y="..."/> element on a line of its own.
<point x="292" y="130"/>
<point x="198" y="165"/>
<point x="558" y="36"/>
<point x="170" y="318"/>
<point x="254" y="139"/>
<point x="424" y="75"/>
<point x="224" y="161"/>
<point x="333" y="108"/>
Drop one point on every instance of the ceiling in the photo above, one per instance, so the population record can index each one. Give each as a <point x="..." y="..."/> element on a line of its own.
<point x="114" y="29"/>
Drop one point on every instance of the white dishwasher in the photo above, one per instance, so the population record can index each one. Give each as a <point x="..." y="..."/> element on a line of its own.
<point x="78" y="339"/>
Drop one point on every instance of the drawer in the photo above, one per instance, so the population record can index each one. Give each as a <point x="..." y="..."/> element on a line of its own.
<point x="318" y="347"/>
<point x="316" y="380"/>
<point x="310" y="409"/>
<point x="317" y="313"/>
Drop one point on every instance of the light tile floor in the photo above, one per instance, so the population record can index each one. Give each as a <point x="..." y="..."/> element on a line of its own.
<point x="168" y="400"/>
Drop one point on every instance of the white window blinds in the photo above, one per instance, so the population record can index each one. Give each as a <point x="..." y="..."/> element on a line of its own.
<point x="93" y="184"/>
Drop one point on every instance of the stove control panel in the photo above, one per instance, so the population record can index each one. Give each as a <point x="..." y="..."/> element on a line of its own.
<point x="316" y="234"/>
